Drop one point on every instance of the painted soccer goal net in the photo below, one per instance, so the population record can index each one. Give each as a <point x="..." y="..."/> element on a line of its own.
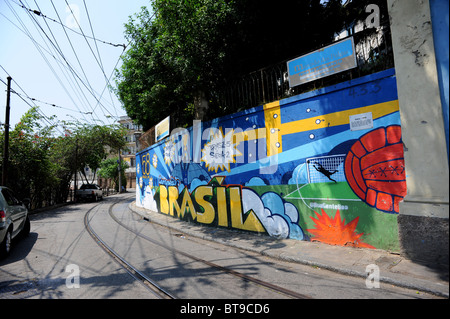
<point x="325" y="169"/>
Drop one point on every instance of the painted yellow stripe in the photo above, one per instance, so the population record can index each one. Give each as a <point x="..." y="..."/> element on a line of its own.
<point x="273" y="121"/>
<point x="338" y="118"/>
<point x="272" y="118"/>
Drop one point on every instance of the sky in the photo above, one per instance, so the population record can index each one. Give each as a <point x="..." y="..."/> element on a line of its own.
<point x="64" y="73"/>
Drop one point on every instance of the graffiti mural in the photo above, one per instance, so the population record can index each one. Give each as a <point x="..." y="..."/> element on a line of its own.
<point x="295" y="168"/>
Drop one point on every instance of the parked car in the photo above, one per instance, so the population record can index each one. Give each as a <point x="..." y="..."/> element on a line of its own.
<point x="14" y="220"/>
<point x="89" y="192"/>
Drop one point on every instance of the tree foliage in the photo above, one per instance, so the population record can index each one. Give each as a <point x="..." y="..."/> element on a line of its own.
<point x="109" y="168"/>
<point x="42" y="165"/>
<point x="86" y="144"/>
<point x="30" y="172"/>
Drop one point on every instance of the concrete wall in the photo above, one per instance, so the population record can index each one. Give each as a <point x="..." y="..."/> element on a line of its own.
<point x="440" y="23"/>
<point x="424" y="213"/>
<point x="293" y="168"/>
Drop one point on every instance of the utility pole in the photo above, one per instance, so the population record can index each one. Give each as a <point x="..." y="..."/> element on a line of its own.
<point x="119" y="161"/>
<point x="75" y="186"/>
<point x="6" y="145"/>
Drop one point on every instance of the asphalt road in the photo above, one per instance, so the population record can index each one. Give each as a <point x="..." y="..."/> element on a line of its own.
<point x="60" y="260"/>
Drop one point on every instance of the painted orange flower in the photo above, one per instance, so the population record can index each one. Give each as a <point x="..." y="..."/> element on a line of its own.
<point x="333" y="231"/>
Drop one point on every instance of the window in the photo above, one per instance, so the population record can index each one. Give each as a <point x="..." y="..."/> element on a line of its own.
<point x="9" y="198"/>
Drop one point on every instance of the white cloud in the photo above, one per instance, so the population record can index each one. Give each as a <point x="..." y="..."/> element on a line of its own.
<point x="278" y="218"/>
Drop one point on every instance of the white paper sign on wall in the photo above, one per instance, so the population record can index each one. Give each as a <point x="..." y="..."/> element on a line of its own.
<point x="361" y="121"/>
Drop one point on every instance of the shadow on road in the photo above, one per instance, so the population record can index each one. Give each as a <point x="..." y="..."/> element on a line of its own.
<point x="20" y="249"/>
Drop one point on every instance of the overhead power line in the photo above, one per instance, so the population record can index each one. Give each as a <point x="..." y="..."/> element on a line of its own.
<point x="50" y="104"/>
<point x="43" y="55"/>
<point x="88" y="85"/>
<point x="84" y="81"/>
<point x="44" y="116"/>
<point x="99" y="60"/>
<point x="56" y="52"/>
<point x="38" y="13"/>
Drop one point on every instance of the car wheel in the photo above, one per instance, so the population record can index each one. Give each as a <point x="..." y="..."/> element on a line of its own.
<point x="5" y="246"/>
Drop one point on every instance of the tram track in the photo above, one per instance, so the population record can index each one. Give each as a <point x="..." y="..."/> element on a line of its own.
<point x="147" y="282"/>
<point x="267" y="285"/>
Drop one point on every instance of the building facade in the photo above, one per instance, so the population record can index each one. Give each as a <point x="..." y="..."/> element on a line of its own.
<point x="128" y="154"/>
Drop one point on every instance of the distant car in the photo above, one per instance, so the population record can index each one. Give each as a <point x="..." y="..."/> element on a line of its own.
<point x="14" y="220"/>
<point x="89" y="192"/>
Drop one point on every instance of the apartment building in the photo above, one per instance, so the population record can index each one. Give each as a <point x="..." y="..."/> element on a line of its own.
<point x="128" y="154"/>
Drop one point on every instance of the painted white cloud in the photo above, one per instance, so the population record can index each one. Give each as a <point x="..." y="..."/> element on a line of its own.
<point x="278" y="218"/>
<point x="148" y="201"/>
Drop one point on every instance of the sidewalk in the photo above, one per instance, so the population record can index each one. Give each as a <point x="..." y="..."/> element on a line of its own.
<point x="394" y="269"/>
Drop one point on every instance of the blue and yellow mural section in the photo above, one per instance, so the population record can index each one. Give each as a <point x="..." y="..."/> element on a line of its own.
<point x="322" y="166"/>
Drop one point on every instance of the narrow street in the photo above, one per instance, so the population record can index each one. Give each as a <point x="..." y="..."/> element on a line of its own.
<point x="60" y="260"/>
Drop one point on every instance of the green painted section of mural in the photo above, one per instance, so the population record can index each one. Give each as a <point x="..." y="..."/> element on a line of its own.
<point x="379" y="229"/>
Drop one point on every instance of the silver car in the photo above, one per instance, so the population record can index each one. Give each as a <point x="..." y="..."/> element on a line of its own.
<point x="14" y="220"/>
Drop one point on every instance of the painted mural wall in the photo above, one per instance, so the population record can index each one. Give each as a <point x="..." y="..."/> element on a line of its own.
<point x="323" y="166"/>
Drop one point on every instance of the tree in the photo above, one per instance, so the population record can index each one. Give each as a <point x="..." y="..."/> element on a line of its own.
<point x="30" y="172"/>
<point x="87" y="145"/>
<point x="109" y="168"/>
<point x="42" y="165"/>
